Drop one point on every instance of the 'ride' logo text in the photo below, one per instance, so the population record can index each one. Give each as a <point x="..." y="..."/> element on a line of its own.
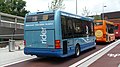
<point x="43" y="35"/>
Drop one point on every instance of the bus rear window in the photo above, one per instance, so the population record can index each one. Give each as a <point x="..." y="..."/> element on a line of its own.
<point x="98" y="23"/>
<point x="40" y="17"/>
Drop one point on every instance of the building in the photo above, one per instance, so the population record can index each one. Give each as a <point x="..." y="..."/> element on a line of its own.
<point x="112" y="16"/>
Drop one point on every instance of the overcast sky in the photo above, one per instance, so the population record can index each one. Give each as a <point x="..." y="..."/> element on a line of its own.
<point x="94" y="6"/>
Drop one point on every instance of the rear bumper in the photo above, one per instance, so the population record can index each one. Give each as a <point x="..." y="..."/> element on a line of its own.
<point x="43" y="52"/>
<point x="101" y="40"/>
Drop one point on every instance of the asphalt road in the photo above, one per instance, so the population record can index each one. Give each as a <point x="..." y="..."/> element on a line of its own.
<point x="57" y="62"/>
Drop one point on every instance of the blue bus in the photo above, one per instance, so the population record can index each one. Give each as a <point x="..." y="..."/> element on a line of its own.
<point x="57" y="34"/>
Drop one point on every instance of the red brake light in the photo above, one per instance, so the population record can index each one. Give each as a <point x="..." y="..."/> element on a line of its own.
<point x="57" y="44"/>
<point x="24" y="42"/>
<point x="104" y="36"/>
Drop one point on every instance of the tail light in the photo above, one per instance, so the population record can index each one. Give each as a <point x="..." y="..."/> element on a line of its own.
<point x="24" y="42"/>
<point x="57" y="44"/>
<point x="104" y="36"/>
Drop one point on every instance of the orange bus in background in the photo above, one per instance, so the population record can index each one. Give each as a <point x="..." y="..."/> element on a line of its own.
<point x="104" y="31"/>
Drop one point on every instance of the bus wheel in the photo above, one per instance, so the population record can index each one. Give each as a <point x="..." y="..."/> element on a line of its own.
<point x="77" y="50"/>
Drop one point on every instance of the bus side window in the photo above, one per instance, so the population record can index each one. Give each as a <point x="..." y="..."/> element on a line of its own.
<point x="110" y="28"/>
<point x="69" y="27"/>
<point x="90" y="27"/>
<point x="90" y="31"/>
<point x="64" y="30"/>
<point x="84" y="27"/>
<point x="78" y="29"/>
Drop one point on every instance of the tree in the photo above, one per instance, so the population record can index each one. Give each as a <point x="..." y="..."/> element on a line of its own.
<point x="14" y="7"/>
<point x="56" y="4"/>
<point x="85" y="12"/>
<point x="97" y="17"/>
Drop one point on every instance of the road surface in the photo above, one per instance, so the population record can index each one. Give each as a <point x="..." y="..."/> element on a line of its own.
<point x="57" y="62"/>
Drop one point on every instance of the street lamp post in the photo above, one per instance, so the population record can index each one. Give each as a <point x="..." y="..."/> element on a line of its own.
<point x="76" y="6"/>
<point x="103" y="12"/>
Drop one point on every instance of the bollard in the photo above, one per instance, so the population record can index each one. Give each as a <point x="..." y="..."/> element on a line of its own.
<point x="11" y="45"/>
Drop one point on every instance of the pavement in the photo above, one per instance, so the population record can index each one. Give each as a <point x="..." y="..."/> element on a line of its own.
<point x="8" y="58"/>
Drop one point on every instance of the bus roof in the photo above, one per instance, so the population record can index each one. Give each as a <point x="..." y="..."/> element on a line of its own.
<point x="76" y="16"/>
<point x="64" y="13"/>
<point x="33" y="13"/>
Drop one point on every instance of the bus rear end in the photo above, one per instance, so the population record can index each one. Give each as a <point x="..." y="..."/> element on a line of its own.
<point x="39" y="35"/>
<point x="100" y="31"/>
<point x="117" y="30"/>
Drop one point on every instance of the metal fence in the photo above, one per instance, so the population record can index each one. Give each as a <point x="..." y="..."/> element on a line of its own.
<point x="11" y="20"/>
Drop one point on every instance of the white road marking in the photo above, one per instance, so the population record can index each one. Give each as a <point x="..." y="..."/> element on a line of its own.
<point x="21" y="59"/>
<point x="93" y="57"/>
<point x="119" y="65"/>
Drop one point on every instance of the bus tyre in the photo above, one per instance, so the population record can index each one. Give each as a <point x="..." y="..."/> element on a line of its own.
<point x="77" y="51"/>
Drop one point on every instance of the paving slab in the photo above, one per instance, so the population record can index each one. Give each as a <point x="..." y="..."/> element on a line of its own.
<point x="8" y="58"/>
